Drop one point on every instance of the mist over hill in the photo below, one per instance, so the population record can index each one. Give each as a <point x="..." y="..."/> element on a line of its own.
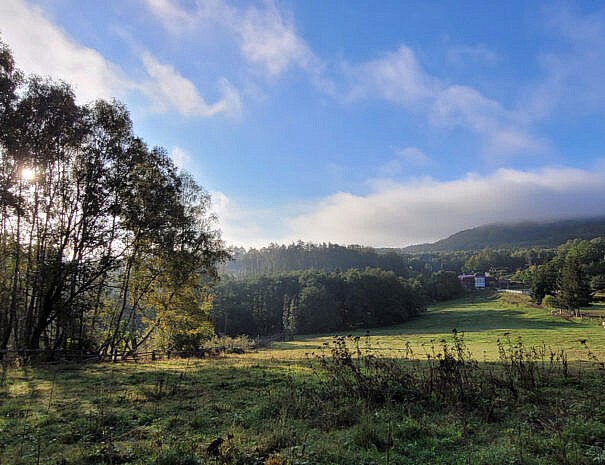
<point x="516" y="235"/>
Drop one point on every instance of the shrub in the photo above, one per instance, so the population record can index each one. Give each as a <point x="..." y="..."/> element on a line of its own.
<point x="449" y="378"/>
<point x="550" y="301"/>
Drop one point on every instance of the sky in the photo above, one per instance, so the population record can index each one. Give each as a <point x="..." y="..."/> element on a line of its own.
<point x="354" y="122"/>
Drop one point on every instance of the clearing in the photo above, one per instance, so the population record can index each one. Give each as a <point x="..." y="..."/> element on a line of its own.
<point x="507" y="405"/>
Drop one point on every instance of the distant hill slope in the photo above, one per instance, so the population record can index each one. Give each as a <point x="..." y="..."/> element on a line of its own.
<point x="525" y="234"/>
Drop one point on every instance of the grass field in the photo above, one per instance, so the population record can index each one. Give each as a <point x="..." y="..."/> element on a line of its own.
<point x="483" y="319"/>
<point x="283" y="406"/>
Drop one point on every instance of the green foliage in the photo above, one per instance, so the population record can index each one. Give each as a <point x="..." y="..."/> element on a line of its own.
<point x="574" y="290"/>
<point x="268" y="412"/>
<point x="380" y="400"/>
<point x="489" y="260"/>
<point x="317" y="311"/>
<point x="543" y="281"/>
<point x="103" y="243"/>
<point x="550" y="301"/>
<point x="450" y="376"/>
<point x="178" y="456"/>
<point x="597" y="283"/>
<point x="444" y="285"/>
<point x="572" y="275"/>
<point x="313" y="301"/>
<point x="322" y="257"/>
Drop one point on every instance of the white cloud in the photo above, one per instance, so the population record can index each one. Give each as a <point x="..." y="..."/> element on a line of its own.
<point x="270" y="41"/>
<point x="572" y="79"/>
<point x="40" y="47"/>
<point x="462" y="54"/>
<point x="246" y="227"/>
<point x="180" y="157"/>
<point x="408" y="157"/>
<point x="463" y="106"/>
<point x="413" y="155"/>
<point x="266" y="38"/>
<point x="168" y="89"/>
<point x="399" y="78"/>
<point x="396" y="77"/>
<point x="397" y="214"/>
<point x="174" y="18"/>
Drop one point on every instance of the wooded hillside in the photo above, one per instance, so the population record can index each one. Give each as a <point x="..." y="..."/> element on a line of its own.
<point x="516" y="235"/>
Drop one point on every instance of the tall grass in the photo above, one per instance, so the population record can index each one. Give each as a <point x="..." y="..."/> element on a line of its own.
<point x="448" y="374"/>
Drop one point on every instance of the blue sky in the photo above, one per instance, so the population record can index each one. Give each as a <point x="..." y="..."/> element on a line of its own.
<point x="380" y="123"/>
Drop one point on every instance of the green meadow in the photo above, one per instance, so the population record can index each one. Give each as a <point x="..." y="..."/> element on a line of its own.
<point x="483" y="319"/>
<point x="412" y="394"/>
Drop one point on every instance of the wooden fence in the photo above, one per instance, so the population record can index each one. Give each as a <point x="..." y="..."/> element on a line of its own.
<point x="63" y="356"/>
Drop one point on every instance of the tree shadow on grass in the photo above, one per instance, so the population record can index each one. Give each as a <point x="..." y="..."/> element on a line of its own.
<point x="482" y="320"/>
<point x="106" y="413"/>
<point x="463" y="321"/>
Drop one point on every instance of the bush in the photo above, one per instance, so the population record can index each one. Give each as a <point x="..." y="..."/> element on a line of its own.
<point x="550" y="301"/>
<point x="450" y="375"/>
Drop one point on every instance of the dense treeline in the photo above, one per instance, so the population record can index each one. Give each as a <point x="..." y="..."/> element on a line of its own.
<point x="300" y="289"/>
<point x="319" y="301"/>
<point x="442" y="285"/>
<point x="302" y="256"/>
<point x="103" y="242"/>
<point x="314" y="301"/>
<point x="333" y="257"/>
<point x="571" y="277"/>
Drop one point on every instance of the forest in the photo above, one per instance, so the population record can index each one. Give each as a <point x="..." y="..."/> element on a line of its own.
<point x="276" y="258"/>
<point x="105" y="245"/>
<point x="526" y="235"/>
<point x="571" y="278"/>
<point x="297" y="289"/>
<point x="315" y="302"/>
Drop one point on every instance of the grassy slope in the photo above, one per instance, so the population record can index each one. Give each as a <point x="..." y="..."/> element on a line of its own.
<point x="167" y="413"/>
<point x="483" y="319"/>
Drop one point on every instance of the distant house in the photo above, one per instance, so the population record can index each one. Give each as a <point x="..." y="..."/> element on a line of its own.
<point x="473" y="281"/>
<point x="467" y="280"/>
<point x="479" y="281"/>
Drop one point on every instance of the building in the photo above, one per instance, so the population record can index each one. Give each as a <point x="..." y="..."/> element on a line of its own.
<point x="473" y="281"/>
<point x="467" y="280"/>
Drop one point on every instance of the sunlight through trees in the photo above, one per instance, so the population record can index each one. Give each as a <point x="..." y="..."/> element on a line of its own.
<point x="103" y="241"/>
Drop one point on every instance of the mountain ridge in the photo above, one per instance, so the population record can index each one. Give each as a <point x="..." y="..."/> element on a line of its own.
<point x="550" y="233"/>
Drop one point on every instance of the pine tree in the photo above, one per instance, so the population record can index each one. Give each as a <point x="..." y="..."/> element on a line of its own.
<point x="574" y="289"/>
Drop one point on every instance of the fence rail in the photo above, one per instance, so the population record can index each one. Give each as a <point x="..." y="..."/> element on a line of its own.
<point x="60" y="356"/>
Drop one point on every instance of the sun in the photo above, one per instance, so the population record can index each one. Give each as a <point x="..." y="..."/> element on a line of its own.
<point x="27" y="174"/>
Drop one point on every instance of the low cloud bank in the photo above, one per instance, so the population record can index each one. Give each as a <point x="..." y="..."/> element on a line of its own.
<point x="397" y="214"/>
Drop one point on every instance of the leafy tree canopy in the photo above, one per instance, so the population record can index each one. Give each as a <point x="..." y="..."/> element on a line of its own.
<point x="105" y="245"/>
